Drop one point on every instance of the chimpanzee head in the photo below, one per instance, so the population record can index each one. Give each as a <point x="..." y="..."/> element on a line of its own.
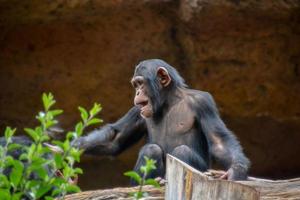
<point x="153" y="81"/>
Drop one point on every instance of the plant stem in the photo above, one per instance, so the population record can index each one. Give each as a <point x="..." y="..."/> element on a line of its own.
<point x="141" y="185"/>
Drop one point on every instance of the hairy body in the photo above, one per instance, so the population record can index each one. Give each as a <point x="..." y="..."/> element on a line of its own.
<point x="176" y="120"/>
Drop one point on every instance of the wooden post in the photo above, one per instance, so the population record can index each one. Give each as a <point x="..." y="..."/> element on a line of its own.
<point x="187" y="183"/>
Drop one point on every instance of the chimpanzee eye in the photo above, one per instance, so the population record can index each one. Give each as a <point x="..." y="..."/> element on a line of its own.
<point x="139" y="82"/>
<point x="134" y="84"/>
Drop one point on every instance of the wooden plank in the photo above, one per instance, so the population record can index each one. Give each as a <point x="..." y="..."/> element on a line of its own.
<point x="187" y="183"/>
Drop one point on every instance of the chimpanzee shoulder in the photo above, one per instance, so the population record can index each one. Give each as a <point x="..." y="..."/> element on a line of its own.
<point x="198" y="98"/>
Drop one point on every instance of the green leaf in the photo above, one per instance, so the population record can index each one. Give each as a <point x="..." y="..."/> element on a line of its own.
<point x="17" y="196"/>
<point x="66" y="145"/>
<point x="23" y="156"/>
<point x="94" y="121"/>
<point x="70" y="159"/>
<point x="45" y="100"/>
<point x="48" y="101"/>
<point x="4" y="183"/>
<point x="9" y="160"/>
<point x="37" y="162"/>
<point x="56" y="112"/>
<point x="138" y="194"/>
<point x="14" y="146"/>
<point x="72" y="188"/>
<point x="71" y="135"/>
<point x="42" y="191"/>
<point x="16" y="173"/>
<point x="49" y="198"/>
<point x="149" y="165"/>
<point x="1" y="150"/>
<point x="135" y="176"/>
<point x="41" y="172"/>
<point x="50" y="123"/>
<point x="58" y="160"/>
<point x="32" y="183"/>
<point x="31" y="150"/>
<point x="56" y="192"/>
<point x="45" y="138"/>
<point x="8" y="133"/>
<point x="33" y="134"/>
<point x="67" y="171"/>
<point x="75" y="153"/>
<point x="96" y="109"/>
<point x="58" y="181"/>
<point x="83" y="113"/>
<point x="79" y="128"/>
<point x="151" y="181"/>
<point x="4" y="194"/>
<point x="78" y="171"/>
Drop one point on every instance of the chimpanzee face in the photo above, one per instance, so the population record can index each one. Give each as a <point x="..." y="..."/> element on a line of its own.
<point x="144" y="94"/>
<point x="141" y="98"/>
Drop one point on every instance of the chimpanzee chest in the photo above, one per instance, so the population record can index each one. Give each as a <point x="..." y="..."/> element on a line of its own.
<point x="176" y="128"/>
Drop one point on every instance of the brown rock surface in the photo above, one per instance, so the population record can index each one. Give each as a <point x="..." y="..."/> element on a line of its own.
<point x="246" y="53"/>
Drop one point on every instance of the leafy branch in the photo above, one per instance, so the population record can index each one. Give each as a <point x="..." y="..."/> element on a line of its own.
<point x="142" y="180"/>
<point x="45" y="169"/>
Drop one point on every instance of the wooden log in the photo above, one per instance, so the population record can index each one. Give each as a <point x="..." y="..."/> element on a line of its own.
<point x="117" y="193"/>
<point x="186" y="183"/>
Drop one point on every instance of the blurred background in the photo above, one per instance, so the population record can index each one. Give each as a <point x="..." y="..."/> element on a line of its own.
<point x="246" y="53"/>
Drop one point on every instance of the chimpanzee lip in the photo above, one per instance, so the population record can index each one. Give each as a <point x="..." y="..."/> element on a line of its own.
<point x="143" y="104"/>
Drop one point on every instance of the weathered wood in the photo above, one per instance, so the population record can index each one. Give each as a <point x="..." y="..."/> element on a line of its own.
<point x="270" y="189"/>
<point x="186" y="183"/>
<point x="117" y="193"/>
<point x="280" y="189"/>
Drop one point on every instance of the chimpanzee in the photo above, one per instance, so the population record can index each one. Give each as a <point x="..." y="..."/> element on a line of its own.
<point x="176" y="120"/>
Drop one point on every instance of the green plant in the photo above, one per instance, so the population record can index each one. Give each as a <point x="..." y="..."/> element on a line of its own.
<point x="34" y="175"/>
<point x="141" y="180"/>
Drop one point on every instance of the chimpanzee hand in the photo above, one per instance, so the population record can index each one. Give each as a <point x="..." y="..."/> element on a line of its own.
<point x="80" y="143"/>
<point x="97" y="138"/>
<point x="235" y="173"/>
<point x="161" y="181"/>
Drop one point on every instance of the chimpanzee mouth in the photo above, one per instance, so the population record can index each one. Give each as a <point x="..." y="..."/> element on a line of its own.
<point x="143" y="104"/>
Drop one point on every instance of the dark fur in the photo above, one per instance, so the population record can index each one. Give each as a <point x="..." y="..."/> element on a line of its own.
<point x="22" y="140"/>
<point x="185" y="123"/>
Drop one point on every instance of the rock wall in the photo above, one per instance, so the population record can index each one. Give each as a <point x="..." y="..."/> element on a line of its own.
<point x="246" y="53"/>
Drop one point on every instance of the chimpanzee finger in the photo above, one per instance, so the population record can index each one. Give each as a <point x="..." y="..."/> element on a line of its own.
<point x="224" y="176"/>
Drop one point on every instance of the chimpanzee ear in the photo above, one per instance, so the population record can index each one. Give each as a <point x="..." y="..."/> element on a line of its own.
<point x="163" y="76"/>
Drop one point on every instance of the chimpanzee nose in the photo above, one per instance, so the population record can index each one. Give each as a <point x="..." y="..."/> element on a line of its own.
<point x="137" y="93"/>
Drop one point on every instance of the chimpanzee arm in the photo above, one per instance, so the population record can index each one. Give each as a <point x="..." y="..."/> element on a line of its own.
<point x="224" y="146"/>
<point x="112" y="139"/>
